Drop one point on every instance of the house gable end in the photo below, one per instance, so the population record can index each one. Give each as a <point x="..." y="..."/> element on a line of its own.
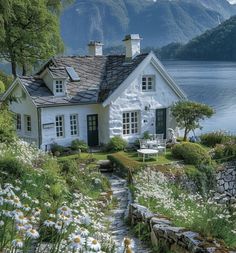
<point x="150" y="59"/>
<point x="11" y="89"/>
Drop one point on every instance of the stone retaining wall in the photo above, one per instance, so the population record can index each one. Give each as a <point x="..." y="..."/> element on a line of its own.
<point x="226" y="179"/>
<point x="176" y="239"/>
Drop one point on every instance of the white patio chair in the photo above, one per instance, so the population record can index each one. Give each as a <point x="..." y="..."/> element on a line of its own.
<point x="159" y="137"/>
<point x="162" y="146"/>
<point x="152" y="137"/>
<point x="143" y="143"/>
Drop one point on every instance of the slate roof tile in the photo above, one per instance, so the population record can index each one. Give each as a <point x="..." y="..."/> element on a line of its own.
<point x="99" y="76"/>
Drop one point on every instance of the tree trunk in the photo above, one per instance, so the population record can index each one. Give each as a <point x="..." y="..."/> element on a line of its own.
<point x="24" y="71"/>
<point x="13" y="68"/>
<point x="185" y="134"/>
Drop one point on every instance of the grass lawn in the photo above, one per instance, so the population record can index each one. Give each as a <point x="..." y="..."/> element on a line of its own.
<point x="84" y="156"/>
<point x="159" y="160"/>
<point x="132" y="155"/>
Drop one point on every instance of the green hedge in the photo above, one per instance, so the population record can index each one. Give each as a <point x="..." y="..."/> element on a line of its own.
<point x="126" y="165"/>
<point x="191" y="153"/>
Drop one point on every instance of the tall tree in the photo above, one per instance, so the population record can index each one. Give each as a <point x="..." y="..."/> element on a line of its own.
<point x="31" y="32"/>
<point x="188" y="115"/>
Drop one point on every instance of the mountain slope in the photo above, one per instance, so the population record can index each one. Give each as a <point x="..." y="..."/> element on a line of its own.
<point x="159" y="22"/>
<point x="216" y="44"/>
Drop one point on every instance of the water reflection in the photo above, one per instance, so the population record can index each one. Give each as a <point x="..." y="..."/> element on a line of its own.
<point x="213" y="83"/>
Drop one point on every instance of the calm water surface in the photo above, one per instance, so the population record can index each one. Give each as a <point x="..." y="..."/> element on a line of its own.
<point x="212" y="83"/>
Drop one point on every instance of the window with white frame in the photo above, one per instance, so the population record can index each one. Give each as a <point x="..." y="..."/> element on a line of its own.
<point x="60" y="126"/>
<point x="148" y="83"/>
<point x="18" y="121"/>
<point x="130" y="122"/>
<point x="59" y="86"/>
<point x="74" y="124"/>
<point x="28" y="126"/>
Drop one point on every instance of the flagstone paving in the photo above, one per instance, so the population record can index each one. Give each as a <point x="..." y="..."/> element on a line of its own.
<point x="119" y="229"/>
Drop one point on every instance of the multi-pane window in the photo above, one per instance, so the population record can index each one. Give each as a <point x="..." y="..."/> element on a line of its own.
<point x="28" y="127"/>
<point x="130" y="123"/>
<point x="74" y="124"/>
<point x="18" y="121"/>
<point x="148" y="83"/>
<point x="60" y="126"/>
<point x="59" y="86"/>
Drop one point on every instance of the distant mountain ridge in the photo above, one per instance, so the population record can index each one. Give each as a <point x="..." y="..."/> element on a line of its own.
<point x="160" y="22"/>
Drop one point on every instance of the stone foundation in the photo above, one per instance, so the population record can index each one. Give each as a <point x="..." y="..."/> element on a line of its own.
<point x="176" y="239"/>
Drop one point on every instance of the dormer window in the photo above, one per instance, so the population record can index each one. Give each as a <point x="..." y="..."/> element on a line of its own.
<point x="148" y="83"/>
<point x="59" y="86"/>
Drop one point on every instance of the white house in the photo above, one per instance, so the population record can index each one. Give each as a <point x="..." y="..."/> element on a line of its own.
<point x="94" y="98"/>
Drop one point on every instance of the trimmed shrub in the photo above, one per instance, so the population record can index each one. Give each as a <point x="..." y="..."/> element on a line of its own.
<point x="77" y="144"/>
<point x="191" y="153"/>
<point x="57" y="149"/>
<point x="116" y="144"/>
<point x="214" y="138"/>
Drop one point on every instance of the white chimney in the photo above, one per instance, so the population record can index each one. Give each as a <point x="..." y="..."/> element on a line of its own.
<point x="132" y="45"/>
<point x="95" y="48"/>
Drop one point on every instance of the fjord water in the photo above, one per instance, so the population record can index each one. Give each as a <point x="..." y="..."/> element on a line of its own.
<point x="212" y="83"/>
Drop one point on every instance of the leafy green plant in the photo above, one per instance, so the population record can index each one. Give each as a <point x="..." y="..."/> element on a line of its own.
<point x="214" y="138"/>
<point x="116" y="143"/>
<point x="224" y="152"/>
<point x="12" y="166"/>
<point x="142" y="230"/>
<point x="79" y="145"/>
<point x="191" y="153"/>
<point x="146" y="135"/>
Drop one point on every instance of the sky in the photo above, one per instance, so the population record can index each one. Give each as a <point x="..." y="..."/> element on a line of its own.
<point x="232" y="1"/>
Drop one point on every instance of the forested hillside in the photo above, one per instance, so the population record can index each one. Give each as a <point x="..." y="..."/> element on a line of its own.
<point x="216" y="44"/>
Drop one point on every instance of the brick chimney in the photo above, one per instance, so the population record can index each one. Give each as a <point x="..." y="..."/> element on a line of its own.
<point x="95" y="48"/>
<point x="132" y="45"/>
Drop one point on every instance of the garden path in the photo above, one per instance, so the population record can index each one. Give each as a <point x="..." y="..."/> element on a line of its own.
<point x="119" y="229"/>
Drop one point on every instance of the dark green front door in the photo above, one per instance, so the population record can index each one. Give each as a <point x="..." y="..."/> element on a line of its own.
<point x="92" y="126"/>
<point x="161" y="121"/>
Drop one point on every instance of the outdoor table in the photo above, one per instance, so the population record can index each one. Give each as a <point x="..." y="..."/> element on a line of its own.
<point x="147" y="152"/>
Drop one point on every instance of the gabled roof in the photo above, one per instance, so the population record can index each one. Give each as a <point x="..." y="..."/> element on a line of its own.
<point x="99" y="77"/>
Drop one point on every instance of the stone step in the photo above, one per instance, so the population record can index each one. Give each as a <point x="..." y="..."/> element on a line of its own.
<point x="118" y="227"/>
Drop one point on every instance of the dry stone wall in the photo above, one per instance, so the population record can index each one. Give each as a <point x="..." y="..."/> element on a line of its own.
<point x="177" y="239"/>
<point x="226" y="179"/>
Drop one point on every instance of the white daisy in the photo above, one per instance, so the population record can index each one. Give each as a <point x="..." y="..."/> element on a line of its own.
<point x="17" y="243"/>
<point x="32" y="233"/>
<point x="77" y="242"/>
<point x="49" y="223"/>
<point x="94" y="244"/>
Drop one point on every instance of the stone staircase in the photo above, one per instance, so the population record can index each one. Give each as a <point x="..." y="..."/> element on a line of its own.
<point x="118" y="227"/>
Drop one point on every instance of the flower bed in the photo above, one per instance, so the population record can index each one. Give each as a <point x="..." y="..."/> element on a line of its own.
<point x="153" y="190"/>
<point x="48" y="207"/>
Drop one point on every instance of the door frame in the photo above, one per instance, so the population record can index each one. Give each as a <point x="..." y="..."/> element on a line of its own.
<point x="96" y="142"/>
<point x="164" y="120"/>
